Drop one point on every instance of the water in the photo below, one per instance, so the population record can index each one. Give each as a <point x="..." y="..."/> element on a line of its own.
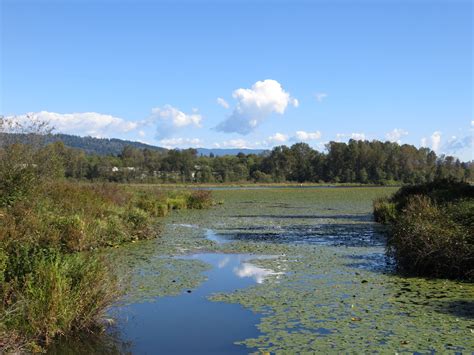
<point x="190" y="323"/>
<point x="327" y="286"/>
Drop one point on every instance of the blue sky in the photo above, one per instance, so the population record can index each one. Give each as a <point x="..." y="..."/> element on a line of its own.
<point x="241" y="73"/>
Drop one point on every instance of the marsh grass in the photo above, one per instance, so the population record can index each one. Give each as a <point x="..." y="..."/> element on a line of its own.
<point x="53" y="281"/>
<point x="431" y="228"/>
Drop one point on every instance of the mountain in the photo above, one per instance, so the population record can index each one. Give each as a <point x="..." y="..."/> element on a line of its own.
<point x="111" y="146"/>
<point x="91" y="145"/>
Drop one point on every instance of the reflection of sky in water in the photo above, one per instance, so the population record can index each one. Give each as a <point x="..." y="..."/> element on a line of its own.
<point x="259" y="274"/>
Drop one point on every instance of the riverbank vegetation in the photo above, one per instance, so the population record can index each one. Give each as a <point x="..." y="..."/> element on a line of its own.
<point x="359" y="162"/>
<point x="431" y="228"/>
<point x="53" y="279"/>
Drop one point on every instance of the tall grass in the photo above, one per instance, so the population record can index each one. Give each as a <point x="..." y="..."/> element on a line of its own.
<point x="52" y="282"/>
<point x="431" y="229"/>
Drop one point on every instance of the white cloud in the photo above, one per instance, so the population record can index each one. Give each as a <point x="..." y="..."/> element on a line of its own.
<point x="396" y="135"/>
<point x="180" y="142"/>
<point x="320" y="96"/>
<point x="170" y="119"/>
<point x="240" y="144"/>
<point x="81" y="123"/>
<point x="461" y="147"/>
<point x="306" y="136"/>
<point x="472" y="123"/>
<point x="255" y="105"/>
<point x="222" y="102"/>
<point x="435" y="140"/>
<point x="424" y="142"/>
<point x="176" y="117"/>
<point x="356" y="136"/>
<point x="278" y="138"/>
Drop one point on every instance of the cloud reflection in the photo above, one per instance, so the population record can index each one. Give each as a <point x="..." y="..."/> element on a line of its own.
<point x="259" y="274"/>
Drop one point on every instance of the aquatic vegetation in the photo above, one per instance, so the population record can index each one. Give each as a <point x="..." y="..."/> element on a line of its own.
<point x="324" y="303"/>
<point x="53" y="279"/>
<point x="328" y="286"/>
<point x="432" y="228"/>
<point x="59" y="294"/>
<point x="330" y="297"/>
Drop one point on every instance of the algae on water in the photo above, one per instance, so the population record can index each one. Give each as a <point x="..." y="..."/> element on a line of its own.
<point x="332" y="289"/>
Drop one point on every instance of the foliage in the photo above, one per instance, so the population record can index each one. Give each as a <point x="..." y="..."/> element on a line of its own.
<point x="384" y="210"/>
<point x="199" y="199"/>
<point x="358" y="162"/>
<point x="432" y="228"/>
<point x="60" y="294"/>
<point x="52" y="281"/>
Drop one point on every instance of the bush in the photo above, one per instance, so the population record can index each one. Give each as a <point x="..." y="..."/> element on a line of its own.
<point x="60" y="295"/>
<point x="177" y="203"/>
<point x="154" y="204"/>
<point x="48" y="286"/>
<point x="384" y="210"/>
<point x="432" y="228"/>
<point x="139" y="222"/>
<point x="199" y="199"/>
<point x="426" y="240"/>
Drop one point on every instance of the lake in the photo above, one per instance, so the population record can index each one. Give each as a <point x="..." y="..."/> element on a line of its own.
<point x="279" y="270"/>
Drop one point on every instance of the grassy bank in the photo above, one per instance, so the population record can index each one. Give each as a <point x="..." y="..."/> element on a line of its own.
<point x="52" y="279"/>
<point x="431" y="228"/>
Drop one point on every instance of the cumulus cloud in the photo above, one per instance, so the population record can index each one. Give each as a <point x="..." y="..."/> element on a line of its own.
<point x="169" y="120"/>
<point x="436" y="141"/>
<point x="82" y="123"/>
<point x="254" y="105"/>
<point x="424" y="142"/>
<point x="396" y="135"/>
<point x="320" y="96"/>
<point x="356" y="136"/>
<point x="222" y="102"/>
<point x="306" y="136"/>
<point x="461" y="147"/>
<point x="180" y="142"/>
<point x="278" y="138"/>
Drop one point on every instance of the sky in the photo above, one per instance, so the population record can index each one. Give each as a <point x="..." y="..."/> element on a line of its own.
<point x="235" y="74"/>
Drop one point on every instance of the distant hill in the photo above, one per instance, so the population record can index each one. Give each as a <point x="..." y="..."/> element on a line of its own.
<point x="91" y="145"/>
<point x="114" y="146"/>
<point x="234" y="151"/>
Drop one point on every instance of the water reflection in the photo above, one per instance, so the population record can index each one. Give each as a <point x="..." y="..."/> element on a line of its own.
<point x="208" y="327"/>
<point x="259" y="274"/>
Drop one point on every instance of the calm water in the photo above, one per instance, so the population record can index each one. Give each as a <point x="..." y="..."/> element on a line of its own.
<point x="190" y="323"/>
<point x="288" y="270"/>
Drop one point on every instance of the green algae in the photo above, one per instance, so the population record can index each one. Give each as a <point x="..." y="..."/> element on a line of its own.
<point x="324" y="304"/>
<point x="324" y="296"/>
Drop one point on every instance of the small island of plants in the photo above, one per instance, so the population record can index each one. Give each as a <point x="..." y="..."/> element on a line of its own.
<point x="431" y="228"/>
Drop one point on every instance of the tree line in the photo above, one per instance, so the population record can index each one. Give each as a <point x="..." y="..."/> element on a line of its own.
<point x="353" y="162"/>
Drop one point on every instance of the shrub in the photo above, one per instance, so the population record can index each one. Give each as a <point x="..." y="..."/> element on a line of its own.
<point x="177" y="203"/>
<point x="425" y="240"/>
<point x="199" y="199"/>
<point x="154" y="204"/>
<point x="139" y="222"/>
<point x="384" y="210"/>
<point x="48" y="286"/>
<point x="432" y="228"/>
<point x="62" y="294"/>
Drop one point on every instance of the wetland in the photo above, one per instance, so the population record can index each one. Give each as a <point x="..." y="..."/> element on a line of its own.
<point x="283" y="271"/>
